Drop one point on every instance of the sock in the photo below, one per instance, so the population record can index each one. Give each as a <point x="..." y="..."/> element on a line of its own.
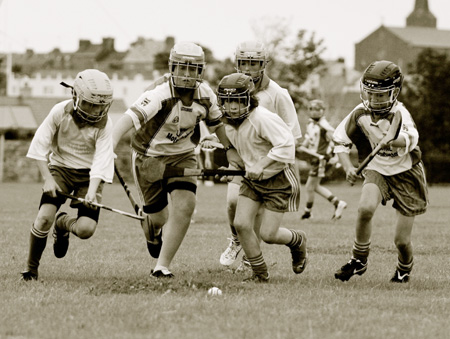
<point x="296" y="239"/>
<point x="309" y="206"/>
<point x="38" y="240"/>
<point x="405" y="267"/>
<point x="334" y="200"/>
<point x="234" y="234"/>
<point x="259" y="266"/>
<point x="361" y="251"/>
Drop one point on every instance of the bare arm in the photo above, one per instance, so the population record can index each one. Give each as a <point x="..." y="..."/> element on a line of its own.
<point x="121" y="127"/>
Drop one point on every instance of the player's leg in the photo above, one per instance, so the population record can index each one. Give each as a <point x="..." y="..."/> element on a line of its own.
<point x="244" y="222"/>
<point x="370" y="199"/>
<point x="181" y="210"/>
<point x="230" y="254"/>
<point x="404" y="246"/>
<point x="339" y="205"/>
<point x="310" y="186"/>
<point x="38" y="239"/>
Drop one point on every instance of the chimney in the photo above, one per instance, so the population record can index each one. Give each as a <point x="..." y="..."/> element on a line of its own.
<point x="84" y="45"/>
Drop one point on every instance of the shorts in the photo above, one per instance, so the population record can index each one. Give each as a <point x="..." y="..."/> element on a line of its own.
<point x="280" y="193"/>
<point x="317" y="167"/>
<point x="154" y="194"/>
<point x="76" y="181"/>
<point x="408" y="189"/>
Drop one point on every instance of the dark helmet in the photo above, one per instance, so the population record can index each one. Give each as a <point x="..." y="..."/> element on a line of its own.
<point x="381" y="77"/>
<point x="236" y="87"/>
<point x="316" y="109"/>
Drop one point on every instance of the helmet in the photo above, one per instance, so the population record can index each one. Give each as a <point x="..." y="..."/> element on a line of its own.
<point x="93" y="95"/>
<point x="235" y="88"/>
<point x="190" y="60"/>
<point x="316" y="109"/>
<point x="382" y="79"/>
<point x="249" y="51"/>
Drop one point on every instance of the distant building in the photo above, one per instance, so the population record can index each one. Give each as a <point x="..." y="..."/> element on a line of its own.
<point x="402" y="44"/>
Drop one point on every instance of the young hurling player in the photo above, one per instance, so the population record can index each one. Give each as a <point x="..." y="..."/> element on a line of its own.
<point x="166" y="122"/>
<point x="251" y="58"/>
<point x="396" y="173"/>
<point x="267" y="148"/>
<point x="318" y="141"/>
<point x="74" y="152"/>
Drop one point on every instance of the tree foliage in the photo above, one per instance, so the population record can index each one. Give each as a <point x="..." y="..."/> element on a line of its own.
<point x="426" y="96"/>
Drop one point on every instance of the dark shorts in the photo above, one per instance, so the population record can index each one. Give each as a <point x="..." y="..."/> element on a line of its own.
<point x="154" y="194"/>
<point x="317" y="167"/>
<point x="280" y="193"/>
<point x="408" y="189"/>
<point x="75" y="182"/>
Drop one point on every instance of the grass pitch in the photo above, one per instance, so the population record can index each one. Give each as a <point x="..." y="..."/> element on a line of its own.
<point x="102" y="288"/>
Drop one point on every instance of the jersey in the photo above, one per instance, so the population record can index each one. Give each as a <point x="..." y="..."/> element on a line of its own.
<point x="263" y="134"/>
<point x="277" y="100"/>
<point x="318" y="136"/>
<point x="365" y="129"/>
<point x="166" y="126"/>
<point x="69" y="146"/>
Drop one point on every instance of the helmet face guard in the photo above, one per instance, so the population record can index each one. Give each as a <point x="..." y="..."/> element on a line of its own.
<point x="316" y="109"/>
<point x="380" y="86"/>
<point x="251" y="59"/>
<point x="186" y="65"/>
<point x="93" y="95"/>
<point x="233" y="97"/>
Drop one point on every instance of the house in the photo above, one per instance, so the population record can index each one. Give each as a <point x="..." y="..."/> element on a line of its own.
<point x="402" y="45"/>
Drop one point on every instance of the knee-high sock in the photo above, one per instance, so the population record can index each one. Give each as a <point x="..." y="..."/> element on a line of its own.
<point x="38" y="240"/>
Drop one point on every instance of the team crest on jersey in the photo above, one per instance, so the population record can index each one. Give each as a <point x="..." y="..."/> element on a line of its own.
<point x="176" y="120"/>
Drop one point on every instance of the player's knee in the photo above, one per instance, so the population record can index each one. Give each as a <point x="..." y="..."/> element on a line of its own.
<point x="402" y="244"/>
<point x="365" y="213"/>
<point x="44" y="223"/>
<point x="85" y="230"/>
<point x="268" y="236"/>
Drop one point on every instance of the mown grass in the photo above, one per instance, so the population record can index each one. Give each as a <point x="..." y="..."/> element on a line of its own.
<point x="102" y="288"/>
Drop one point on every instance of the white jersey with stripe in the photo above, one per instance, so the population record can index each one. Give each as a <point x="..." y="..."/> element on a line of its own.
<point x="365" y="130"/>
<point x="166" y="126"/>
<point x="69" y="146"/>
<point x="318" y="136"/>
<point x="278" y="100"/>
<point x="263" y="134"/>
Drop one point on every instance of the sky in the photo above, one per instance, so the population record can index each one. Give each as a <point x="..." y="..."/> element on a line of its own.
<point x="42" y="25"/>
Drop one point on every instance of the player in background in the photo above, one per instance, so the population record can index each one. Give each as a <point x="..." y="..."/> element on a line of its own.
<point x="251" y="58"/>
<point x="318" y="143"/>
<point x="267" y="148"/>
<point x="396" y="173"/>
<point x="74" y="152"/>
<point x="166" y="123"/>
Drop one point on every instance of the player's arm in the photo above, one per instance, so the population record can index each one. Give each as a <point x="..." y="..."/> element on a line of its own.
<point x="232" y="155"/>
<point x="121" y="127"/>
<point x="50" y="186"/>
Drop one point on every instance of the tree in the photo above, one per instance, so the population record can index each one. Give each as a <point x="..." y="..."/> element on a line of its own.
<point x="425" y="94"/>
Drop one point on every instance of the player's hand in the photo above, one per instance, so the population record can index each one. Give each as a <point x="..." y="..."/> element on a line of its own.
<point x="225" y="178"/>
<point x="255" y="172"/>
<point x="90" y="198"/>
<point x="351" y="175"/>
<point x="209" y="142"/>
<point x="50" y="187"/>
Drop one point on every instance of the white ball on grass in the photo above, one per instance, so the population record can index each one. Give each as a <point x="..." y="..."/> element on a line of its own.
<point x="214" y="291"/>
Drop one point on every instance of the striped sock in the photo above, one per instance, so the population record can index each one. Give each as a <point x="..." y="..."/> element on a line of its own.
<point x="258" y="264"/>
<point x="38" y="240"/>
<point x="405" y="267"/>
<point x="361" y="251"/>
<point x="296" y="239"/>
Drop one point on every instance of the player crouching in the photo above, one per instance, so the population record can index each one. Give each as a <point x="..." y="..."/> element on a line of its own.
<point x="77" y="134"/>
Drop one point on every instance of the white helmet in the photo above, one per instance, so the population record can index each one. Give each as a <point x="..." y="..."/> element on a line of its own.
<point x="190" y="60"/>
<point x="93" y="95"/>
<point x="251" y="51"/>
